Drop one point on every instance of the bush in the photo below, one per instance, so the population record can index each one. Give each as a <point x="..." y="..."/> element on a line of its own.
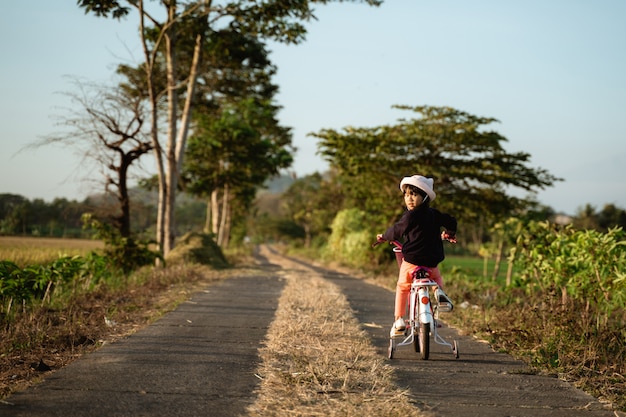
<point x="351" y="239"/>
<point x="197" y="248"/>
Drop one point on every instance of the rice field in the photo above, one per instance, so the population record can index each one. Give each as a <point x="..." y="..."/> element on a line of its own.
<point x="25" y="251"/>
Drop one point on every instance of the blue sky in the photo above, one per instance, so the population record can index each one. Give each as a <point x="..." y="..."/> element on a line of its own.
<point x="552" y="72"/>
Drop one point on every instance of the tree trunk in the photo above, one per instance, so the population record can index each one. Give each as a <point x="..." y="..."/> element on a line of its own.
<point x="564" y="297"/>
<point x="186" y="114"/>
<point x="307" y="235"/>
<point x="225" y="198"/>
<point x="496" y="269"/>
<point x="207" y="219"/>
<point x="509" y="273"/>
<point x="215" y="212"/>
<point x="227" y="224"/>
<point x="485" y="265"/>
<point x="171" y="179"/>
<point x="124" y="199"/>
<point x="154" y="131"/>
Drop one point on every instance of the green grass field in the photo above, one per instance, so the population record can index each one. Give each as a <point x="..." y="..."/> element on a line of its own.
<point x="473" y="266"/>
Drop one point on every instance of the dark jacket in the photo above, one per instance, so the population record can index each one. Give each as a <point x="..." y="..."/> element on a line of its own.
<point x="421" y="230"/>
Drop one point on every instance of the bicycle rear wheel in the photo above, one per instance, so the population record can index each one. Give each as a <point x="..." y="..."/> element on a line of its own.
<point x="424" y="340"/>
<point x="416" y="332"/>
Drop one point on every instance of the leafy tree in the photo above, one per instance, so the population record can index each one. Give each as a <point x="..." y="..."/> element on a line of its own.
<point x="313" y="202"/>
<point x="470" y="166"/>
<point x="586" y="218"/>
<point x="274" y="19"/>
<point x="235" y="154"/>
<point x="60" y="218"/>
<point x="11" y="205"/>
<point x="611" y="216"/>
<point x="237" y="142"/>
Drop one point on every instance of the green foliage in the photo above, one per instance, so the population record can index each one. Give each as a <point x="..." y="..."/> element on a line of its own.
<point x="39" y="282"/>
<point x="279" y="20"/>
<point x="104" y="8"/>
<point x="313" y="202"/>
<point x="473" y="173"/>
<point x="241" y="147"/>
<point x="586" y="267"/>
<point x="610" y="216"/>
<point x="125" y="252"/>
<point x="59" y="218"/>
<point x="268" y="228"/>
<point x="350" y="239"/>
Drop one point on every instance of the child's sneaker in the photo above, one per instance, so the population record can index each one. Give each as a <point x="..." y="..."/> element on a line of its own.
<point x="445" y="304"/>
<point x="398" y="328"/>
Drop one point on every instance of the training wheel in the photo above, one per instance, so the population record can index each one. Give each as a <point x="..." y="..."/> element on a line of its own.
<point x="391" y="349"/>
<point x="455" y="350"/>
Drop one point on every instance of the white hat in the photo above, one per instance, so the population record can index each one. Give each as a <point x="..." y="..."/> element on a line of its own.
<point x="423" y="183"/>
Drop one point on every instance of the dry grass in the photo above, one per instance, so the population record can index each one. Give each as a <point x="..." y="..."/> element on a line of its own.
<point x="25" y="251"/>
<point x="317" y="361"/>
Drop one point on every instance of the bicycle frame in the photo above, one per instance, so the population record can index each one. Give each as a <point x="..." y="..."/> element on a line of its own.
<point x="423" y="314"/>
<point x="422" y="322"/>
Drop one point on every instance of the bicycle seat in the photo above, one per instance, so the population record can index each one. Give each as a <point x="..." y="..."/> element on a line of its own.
<point x="421" y="273"/>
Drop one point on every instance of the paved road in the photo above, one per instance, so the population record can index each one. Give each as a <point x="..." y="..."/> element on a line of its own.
<point x="200" y="361"/>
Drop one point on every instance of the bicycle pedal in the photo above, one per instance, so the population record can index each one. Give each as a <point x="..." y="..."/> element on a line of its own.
<point x="445" y="307"/>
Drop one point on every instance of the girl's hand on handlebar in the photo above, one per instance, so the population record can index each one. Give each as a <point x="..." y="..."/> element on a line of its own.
<point x="450" y="237"/>
<point x="379" y="240"/>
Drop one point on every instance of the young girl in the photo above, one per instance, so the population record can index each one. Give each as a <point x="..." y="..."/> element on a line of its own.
<point x="421" y="227"/>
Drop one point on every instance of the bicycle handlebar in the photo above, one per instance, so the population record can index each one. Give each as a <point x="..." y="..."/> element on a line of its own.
<point x="444" y="236"/>
<point x="391" y="242"/>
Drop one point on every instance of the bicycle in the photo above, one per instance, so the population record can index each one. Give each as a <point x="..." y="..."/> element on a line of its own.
<point x="423" y="313"/>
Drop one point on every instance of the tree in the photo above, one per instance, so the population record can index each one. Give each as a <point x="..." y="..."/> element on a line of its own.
<point x="313" y="202"/>
<point x="469" y="164"/>
<point x="61" y="218"/>
<point x="10" y="205"/>
<point x="586" y="218"/>
<point x="611" y="216"/>
<point x="234" y="154"/>
<point x="107" y="125"/>
<point x="274" y="19"/>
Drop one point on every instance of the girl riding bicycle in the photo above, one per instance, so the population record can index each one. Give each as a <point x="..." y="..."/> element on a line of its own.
<point x="421" y="228"/>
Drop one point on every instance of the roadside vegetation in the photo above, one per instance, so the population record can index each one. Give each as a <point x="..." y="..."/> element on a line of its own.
<point x="564" y="311"/>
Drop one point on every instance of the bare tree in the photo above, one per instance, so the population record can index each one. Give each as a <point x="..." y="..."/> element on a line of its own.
<point x="106" y="125"/>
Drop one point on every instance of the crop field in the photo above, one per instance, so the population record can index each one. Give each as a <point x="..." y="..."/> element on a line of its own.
<point x="40" y="250"/>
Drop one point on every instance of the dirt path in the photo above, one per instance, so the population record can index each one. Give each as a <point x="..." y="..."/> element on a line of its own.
<point x="201" y="359"/>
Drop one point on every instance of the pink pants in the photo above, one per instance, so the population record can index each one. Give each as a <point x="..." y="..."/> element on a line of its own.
<point x="403" y="287"/>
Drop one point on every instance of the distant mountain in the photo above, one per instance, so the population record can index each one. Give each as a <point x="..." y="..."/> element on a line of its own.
<point x="278" y="184"/>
